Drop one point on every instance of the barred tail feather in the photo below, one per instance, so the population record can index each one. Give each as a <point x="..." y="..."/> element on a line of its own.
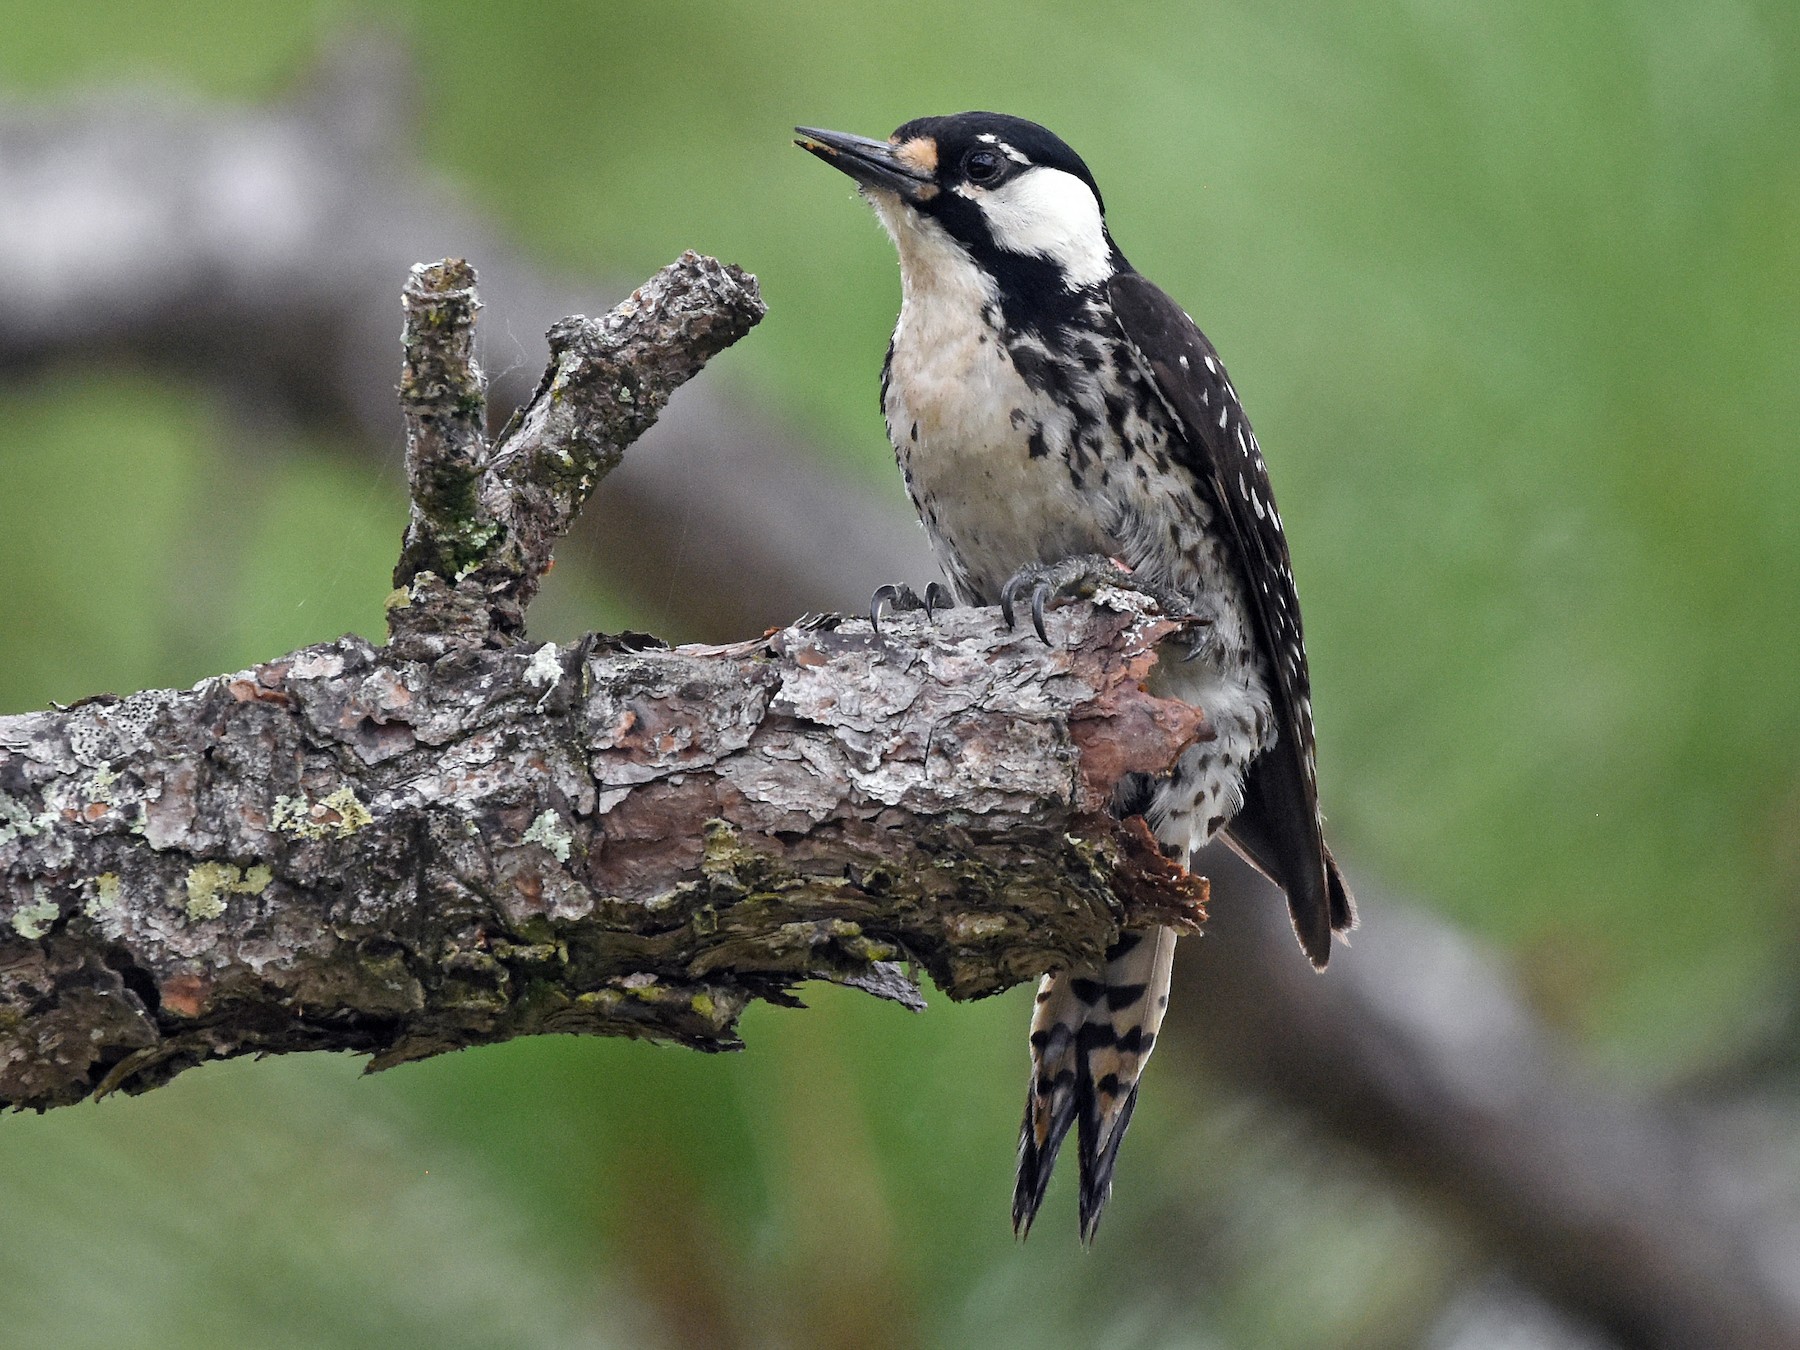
<point x="1091" y="1034"/>
<point x="1114" y="1044"/>
<point x="1050" y="1096"/>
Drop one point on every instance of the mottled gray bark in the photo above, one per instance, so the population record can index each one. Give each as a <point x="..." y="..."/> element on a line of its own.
<point x="459" y="838"/>
<point x="343" y="849"/>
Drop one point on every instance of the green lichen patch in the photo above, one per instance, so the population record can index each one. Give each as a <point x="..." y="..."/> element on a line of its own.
<point x="210" y="883"/>
<point x="338" y="816"/>
<point x="34" y="920"/>
<point x="17" y="820"/>
<point x="549" y="832"/>
<point x="106" y="894"/>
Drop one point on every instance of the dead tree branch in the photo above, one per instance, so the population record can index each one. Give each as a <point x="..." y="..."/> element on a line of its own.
<point x="457" y="838"/>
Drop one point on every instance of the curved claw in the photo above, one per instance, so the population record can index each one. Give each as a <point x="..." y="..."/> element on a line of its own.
<point x="1199" y="646"/>
<point x="1008" y="594"/>
<point x="884" y="595"/>
<point x="1038" y="596"/>
<point x="937" y="596"/>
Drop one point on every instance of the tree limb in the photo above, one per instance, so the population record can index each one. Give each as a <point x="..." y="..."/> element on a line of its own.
<point x="456" y="839"/>
<point x="484" y="521"/>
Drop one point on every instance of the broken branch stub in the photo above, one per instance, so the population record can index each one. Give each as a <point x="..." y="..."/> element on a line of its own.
<point x="486" y="519"/>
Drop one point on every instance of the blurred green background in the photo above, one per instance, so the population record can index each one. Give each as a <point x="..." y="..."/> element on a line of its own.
<point x="1513" y="294"/>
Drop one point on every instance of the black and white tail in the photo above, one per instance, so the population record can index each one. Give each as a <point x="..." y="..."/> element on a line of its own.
<point x="1091" y="1035"/>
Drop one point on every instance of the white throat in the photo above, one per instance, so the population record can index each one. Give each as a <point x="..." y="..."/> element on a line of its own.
<point x="932" y="264"/>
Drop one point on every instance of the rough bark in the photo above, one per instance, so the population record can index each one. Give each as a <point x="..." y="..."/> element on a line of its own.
<point x="458" y="838"/>
<point x="344" y="849"/>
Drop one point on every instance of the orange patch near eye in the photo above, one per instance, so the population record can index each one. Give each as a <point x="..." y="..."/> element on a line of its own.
<point x="920" y="154"/>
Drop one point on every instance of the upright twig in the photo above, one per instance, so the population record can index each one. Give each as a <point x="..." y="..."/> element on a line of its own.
<point x="486" y="519"/>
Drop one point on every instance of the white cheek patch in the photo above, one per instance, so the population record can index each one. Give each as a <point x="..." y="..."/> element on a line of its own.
<point x="1046" y="213"/>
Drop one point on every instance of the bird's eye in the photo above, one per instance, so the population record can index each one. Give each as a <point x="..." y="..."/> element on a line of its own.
<point x="981" y="166"/>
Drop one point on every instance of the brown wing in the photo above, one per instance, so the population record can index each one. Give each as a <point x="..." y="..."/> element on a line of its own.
<point x="1279" y="826"/>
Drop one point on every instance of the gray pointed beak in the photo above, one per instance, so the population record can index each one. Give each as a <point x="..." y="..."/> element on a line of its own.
<point x="871" y="163"/>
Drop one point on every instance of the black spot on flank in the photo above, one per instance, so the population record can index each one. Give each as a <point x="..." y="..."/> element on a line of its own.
<point x="1136" y="1042"/>
<point x="1039" y="1039"/>
<point x="1043" y="995"/>
<point x="1088" y="991"/>
<point x="915" y="431"/>
<point x="1036" y="443"/>
<point x="1108" y="1086"/>
<point x="1034" y="368"/>
<point x="1017" y="417"/>
<point x="1075" y="475"/>
<point x="1214" y="823"/>
<point x="1143" y="474"/>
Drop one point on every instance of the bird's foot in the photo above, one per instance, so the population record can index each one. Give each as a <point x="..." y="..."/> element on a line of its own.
<point x="901" y="598"/>
<point x="1077" y="579"/>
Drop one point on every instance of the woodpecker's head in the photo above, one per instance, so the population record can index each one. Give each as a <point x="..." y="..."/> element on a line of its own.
<point x="997" y="191"/>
